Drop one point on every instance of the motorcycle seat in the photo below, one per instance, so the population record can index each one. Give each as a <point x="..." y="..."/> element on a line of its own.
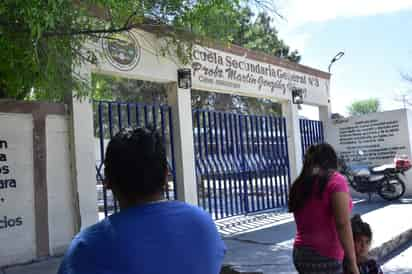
<point x="383" y="168"/>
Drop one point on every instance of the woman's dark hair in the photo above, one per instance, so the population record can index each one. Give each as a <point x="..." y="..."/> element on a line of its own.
<point x="320" y="161"/>
<point x="360" y="228"/>
<point x="135" y="162"/>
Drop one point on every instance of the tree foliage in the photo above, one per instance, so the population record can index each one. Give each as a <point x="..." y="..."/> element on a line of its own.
<point x="261" y="35"/>
<point x="40" y="41"/>
<point x="361" y="107"/>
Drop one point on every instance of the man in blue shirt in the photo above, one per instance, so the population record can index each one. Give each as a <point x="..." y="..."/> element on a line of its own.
<point x="149" y="235"/>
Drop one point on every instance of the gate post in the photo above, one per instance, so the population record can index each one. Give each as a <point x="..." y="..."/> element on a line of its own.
<point x="290" y="112"/>
<point x="325" y="116"/>
<point x="180" y="102"/>
<point x="82" y="155"/>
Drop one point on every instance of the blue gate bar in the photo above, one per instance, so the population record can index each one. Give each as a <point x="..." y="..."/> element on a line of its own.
<point x="229" y="163"/>
<point x="275" y="158"/>
<point x="234" y="134"/>
<point x="285" y="158"/>
<point x="269" y="156"/>
<point x="264" y="161"/>
<point x="213" y="164"/>
<point x="200" y="167"/>
<point x="255" y="160"/>
<point x="286" y="154"/>
<point x="311" y="133"/>
<point x="137" y="115"/>
<point x="208" y="167"/>
<point x="218" y="166"/>
<point x="119" y="115"/>
<point x="224" y="162"/>
<point x="129" y="123"/>
<point x="244" y="168"/>
<point x="146" y="118"/>
<point x="258" y="163"/>
<point x="154" y="116"/>
<point x="279" y="144"/>
<point x="262" y="148"/>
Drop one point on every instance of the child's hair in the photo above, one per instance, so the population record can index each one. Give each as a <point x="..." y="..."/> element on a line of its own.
<point x="360" y="228"/>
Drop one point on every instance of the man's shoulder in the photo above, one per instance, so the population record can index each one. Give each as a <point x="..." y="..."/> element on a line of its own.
<point x="91" y="235"/>
<point x="190" y="210"/>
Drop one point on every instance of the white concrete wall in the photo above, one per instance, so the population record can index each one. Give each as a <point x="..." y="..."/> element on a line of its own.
<point x="398" y="141"/>
<point x="61" y="204"/>
<point x="17" y="243"/>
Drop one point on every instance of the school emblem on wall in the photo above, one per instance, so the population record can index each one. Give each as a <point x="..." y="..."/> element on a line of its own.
<point x="122" y="50"/>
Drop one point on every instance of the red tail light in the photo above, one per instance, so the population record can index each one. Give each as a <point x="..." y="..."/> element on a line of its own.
<point x="404" y="164"/>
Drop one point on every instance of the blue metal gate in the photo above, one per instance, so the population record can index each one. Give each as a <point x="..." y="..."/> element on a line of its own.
<point x="311" y="132"/>
<point x="111" y="117"/>
<point x="242" y="162"/>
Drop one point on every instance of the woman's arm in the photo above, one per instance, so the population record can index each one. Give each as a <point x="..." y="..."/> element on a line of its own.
<point x="340" y="207"/>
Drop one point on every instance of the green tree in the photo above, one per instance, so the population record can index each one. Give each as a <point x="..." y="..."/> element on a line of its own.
<point x="261" y="35"/>
<point x="40" y="41"/>
<point x="361" y="107"/>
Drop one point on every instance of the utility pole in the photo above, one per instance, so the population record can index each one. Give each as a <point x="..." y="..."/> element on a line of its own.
<point x="403" y="97"/>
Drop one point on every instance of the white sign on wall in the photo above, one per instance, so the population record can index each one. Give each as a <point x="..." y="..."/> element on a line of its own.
<point x="380" y="136"/>
<point x="221" y="71"/>
<point x="212" y="70"/>
<point x="17" y="228"/>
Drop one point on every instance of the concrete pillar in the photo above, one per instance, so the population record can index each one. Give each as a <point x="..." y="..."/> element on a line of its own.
<point x="290" y="112"/>
<point x="180" y="102"/>
<point x="83" y="156"/>
<point x="325" y="115"/>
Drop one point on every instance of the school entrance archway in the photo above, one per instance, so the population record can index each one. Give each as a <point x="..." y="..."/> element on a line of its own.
<point x="251" y="160"/>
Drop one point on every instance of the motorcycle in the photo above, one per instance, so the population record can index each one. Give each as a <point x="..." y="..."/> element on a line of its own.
<point x="383" y="180"/>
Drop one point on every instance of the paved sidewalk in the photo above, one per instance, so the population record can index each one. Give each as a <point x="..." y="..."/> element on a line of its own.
<point x="49" y="266"/>
<point x="269" y="250"/>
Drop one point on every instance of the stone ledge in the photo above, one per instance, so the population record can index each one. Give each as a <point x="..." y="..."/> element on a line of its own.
<point x="227" y="269"/>
<point x="390" y="246"/>
<point x="379" y="252"/>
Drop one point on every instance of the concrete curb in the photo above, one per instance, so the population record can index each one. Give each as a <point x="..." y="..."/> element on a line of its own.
<point x="390" y="246"/>
<point x="228" y="269"/>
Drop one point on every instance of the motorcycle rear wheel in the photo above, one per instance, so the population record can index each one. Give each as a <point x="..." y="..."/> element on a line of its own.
<point x="392" y="189"/>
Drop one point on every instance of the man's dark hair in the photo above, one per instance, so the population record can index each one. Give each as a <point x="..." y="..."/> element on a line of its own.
<point x="135" y="162"/>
